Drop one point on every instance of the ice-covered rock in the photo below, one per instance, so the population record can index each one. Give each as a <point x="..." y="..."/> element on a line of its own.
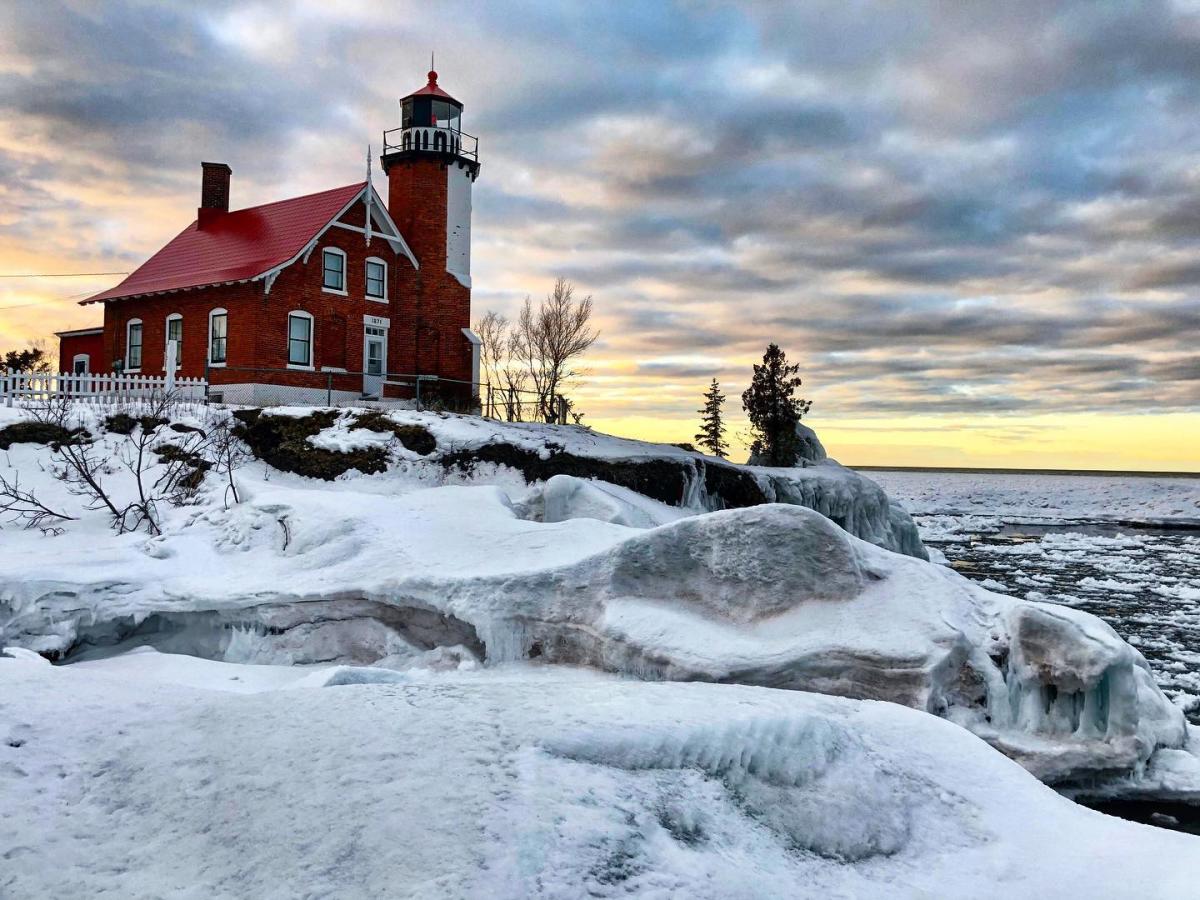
<point x="809" y="448"/>
<point x="566" y="497"/>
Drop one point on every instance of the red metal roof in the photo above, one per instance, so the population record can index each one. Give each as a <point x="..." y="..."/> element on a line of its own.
<point x="432" y="89"/>
<point x="235" y="246"/>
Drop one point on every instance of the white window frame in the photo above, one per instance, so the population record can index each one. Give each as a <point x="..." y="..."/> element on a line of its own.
<point x="345" y="290"/>
<point x="312" y="339"/>
<point x="141" y="344"/>
<point x="367" y="282"/>
<point x="178" y="317"/>
<point x="87" y="363"/>
<point x="219" y="311"/>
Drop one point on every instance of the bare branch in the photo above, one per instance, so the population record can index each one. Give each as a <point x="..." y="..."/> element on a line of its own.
<point x="25" y="508"/>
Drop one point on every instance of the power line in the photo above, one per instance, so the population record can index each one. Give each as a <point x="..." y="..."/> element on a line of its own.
<point x="63" y="274"/>
<point x="47" y="300"/>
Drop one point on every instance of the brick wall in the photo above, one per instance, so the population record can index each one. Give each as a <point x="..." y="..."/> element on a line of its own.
<point x="91" y="344"/>
<point x="427" y="308"/>
<point x="435" y="307"/>
<point x="258" y="322"/>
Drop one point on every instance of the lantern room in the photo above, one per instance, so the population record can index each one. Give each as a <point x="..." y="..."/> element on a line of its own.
<point x="431" y="106"/>
<point x="431" y="122"/>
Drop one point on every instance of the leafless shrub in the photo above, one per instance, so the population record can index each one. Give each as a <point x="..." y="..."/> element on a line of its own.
<point x="52" y="409"/>
<point x="83" y="470"/>
<point x="227" y="453"/>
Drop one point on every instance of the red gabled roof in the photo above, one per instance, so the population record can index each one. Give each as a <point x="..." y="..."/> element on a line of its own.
<point x="432" y="89"/>
<point x="235" y="246"/>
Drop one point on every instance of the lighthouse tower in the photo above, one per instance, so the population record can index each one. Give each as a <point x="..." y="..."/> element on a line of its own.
<point x="431" y="164"/>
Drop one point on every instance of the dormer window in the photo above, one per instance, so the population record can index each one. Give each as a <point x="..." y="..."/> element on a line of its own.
<point x="334" y="270"/>
<point x="377" y="280"/>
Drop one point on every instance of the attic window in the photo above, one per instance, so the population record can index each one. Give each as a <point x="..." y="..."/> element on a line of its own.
<point x="334" y="268"/>
<point x="377" y="279"/>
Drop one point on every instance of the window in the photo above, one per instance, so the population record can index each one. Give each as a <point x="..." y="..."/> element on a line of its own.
<point x="334" y="268"/>
<point x="377" y="279"/>
<point x="445" y="115"/>
<point x="81" y="364"/>
<point x="175" y="333"/>
<point x="218" y="335"/>
<point x="133" y="345"/>
<point x="300" y="339"/>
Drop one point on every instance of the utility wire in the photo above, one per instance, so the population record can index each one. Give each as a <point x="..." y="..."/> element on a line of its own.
<point x="46" y="301"/>
<point x="63" y="274"/>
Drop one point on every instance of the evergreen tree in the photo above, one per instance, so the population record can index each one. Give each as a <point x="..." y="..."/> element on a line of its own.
<point x="712" y="427"/>
<point x="31" y="359"/>
<point x="773" y="409"/>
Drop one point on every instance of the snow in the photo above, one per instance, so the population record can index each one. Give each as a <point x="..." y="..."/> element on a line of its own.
<point x="139" y="776"/>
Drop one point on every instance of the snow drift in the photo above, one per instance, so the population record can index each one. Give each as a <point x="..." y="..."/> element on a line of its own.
<point x="147" y="775"/>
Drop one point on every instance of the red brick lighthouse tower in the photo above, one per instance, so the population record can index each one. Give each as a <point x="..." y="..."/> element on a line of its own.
<point x="431" y="165"/>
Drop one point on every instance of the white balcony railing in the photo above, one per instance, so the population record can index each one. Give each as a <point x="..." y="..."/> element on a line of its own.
<point x="431" y="139"/>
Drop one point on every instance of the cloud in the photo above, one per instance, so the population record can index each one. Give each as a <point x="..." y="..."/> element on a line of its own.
<point x="934" y="206"/>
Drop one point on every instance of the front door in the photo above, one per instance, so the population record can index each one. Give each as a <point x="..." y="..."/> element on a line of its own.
<point x="374" y="355"/>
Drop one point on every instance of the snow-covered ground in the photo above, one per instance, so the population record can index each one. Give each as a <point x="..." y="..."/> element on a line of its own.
<point x="342" y="666"/>
<point x="151" y="775"/>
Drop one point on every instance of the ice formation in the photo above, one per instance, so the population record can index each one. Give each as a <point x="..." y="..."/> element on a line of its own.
<point x="392" y="570"/>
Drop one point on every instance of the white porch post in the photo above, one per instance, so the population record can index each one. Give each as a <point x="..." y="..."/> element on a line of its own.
<point x="172" y="356"/>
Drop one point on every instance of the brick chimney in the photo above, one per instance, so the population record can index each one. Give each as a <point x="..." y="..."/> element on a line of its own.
<point x="214" y="192"/>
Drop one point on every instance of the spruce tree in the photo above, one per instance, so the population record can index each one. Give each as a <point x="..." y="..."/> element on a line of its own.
<point x="773" y="409"/>
<point x="712" y="427"/>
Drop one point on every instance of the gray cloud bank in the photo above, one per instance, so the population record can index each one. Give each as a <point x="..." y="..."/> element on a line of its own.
<point x="934" y="206"/>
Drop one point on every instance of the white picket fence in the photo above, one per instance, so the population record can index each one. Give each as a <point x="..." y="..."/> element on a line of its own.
<point x="95" y="387"/>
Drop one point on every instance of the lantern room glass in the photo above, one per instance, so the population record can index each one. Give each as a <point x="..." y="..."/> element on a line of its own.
<point x="446" y="115"/>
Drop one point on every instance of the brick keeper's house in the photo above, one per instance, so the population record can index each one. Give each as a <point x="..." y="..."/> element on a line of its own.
<point x="283" y="301"/>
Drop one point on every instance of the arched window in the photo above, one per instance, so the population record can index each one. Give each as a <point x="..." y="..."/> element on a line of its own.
<point x="133" y="345"/>
<point x="174" y="333"/>
<point x="439" y="140"/>
<point x="218" y="336"/>
<point x="333" y="270"/>
<point x="81" y="364"/>
<point x="376" y="288"/>
<point x="300" y="340"/>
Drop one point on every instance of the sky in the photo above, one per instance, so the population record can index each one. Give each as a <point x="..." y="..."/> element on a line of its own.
<point x="974" y="225"/>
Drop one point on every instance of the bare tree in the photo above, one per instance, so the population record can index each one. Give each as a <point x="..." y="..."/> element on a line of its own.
<point x="548" y="341"/>
<point x="492" y="330"/>
<point x="503" y="370"/>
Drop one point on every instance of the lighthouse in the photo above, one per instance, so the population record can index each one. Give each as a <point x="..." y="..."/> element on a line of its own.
<point x="431" y="165"/>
